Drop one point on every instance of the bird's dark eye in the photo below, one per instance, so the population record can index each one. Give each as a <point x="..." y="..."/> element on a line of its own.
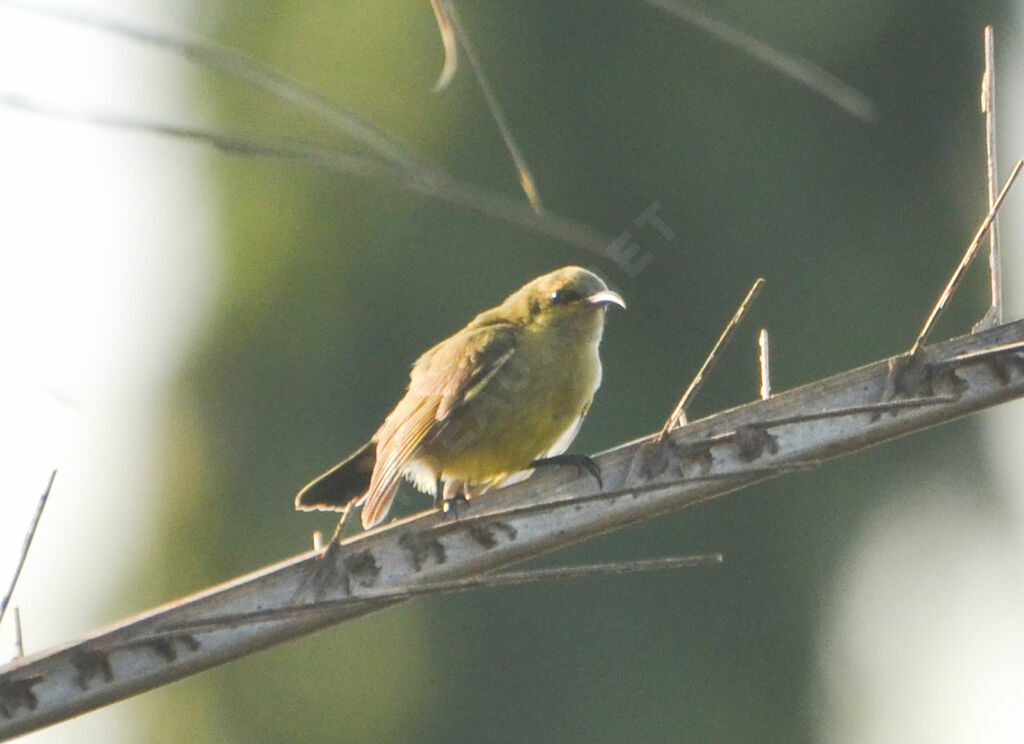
<point x="563" y="296"/>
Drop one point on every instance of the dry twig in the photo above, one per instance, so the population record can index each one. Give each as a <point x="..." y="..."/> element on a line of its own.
<point x="31" y="533"/>
<point x="678" y="415"/>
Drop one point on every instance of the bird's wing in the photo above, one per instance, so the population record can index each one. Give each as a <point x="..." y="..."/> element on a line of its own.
<point x="456" y="370"/>
<point x="443" y="379"/>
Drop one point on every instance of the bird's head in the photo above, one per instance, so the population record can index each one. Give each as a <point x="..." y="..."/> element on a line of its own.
<point x="570" y="299"/>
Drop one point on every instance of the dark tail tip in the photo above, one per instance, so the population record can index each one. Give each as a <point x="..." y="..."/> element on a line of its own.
<point x="342" y="484"/>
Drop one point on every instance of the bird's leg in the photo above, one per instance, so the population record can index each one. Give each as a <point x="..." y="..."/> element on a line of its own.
<point x="452" y="493"/>
<point x="582" y="462"/>
<point x="438" y="493"/>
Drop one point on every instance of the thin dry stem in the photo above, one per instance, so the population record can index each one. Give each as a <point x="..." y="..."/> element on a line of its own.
<point x="805" y="72"/>
<point x="451" y="49"/>
<point x="19" y="643"/>
<point x="994" y="316"/>
<point x="972" y="249"/>
<point x="428" y="182"/>
<point x="526" y="179"/>
<point x="763" y="364"/>
<point x="233" y="63"/>
<point x="27" y="544"/>
<point x="679" y="413"/>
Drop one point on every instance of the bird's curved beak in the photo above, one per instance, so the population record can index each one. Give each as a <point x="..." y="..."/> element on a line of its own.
<point x="607" y="297"/>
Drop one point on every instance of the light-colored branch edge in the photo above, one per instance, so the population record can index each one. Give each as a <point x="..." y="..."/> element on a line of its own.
<point x="645" y="478"/>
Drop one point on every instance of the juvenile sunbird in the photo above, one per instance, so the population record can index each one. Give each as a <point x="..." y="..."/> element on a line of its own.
<point x="499" y="397"/>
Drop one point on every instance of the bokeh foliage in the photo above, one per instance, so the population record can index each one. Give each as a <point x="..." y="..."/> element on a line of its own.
<point x="333" y="285"/>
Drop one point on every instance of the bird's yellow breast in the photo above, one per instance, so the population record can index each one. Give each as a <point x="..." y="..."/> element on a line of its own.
<point x="537" y="396"/>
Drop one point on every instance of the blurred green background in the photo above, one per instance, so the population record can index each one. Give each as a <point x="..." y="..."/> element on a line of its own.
<point x="333" y="285"/>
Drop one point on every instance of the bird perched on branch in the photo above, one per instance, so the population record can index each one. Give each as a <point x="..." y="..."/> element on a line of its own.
<point x="503" y="395"/>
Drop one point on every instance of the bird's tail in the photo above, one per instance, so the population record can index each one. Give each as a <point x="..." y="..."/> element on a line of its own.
<point x="341" y="485"/>
<point x="378" y="502"/>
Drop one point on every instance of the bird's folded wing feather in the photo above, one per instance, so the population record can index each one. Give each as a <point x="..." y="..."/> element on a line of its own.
<point x="443" y="379"/>
<point x="457" y="369"/>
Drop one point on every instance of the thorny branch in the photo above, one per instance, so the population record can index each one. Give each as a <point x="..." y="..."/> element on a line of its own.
<point x="791" y="431"/>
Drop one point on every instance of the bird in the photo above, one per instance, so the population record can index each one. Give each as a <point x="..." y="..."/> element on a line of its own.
<point x="487" y="405"/>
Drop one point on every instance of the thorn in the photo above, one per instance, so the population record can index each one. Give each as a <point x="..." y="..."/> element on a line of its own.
<point x="325" y="569"/>
<point x="27" y="544"/>
<point x="18" y="641"/>
<point x="762" y="358"/>
<point x="678" y="416"/>
<point x="994" y="315"/>
<point x="972" y="249"/>
<point x="339" y="529"/>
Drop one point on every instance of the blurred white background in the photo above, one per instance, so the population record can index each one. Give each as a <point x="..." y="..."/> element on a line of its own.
<point x="108" y="259"/>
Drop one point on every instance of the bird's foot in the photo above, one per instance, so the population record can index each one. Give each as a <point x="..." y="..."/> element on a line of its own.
<point x="448" y="495"/>
<point x="450" y="505"/>
<point x="581" y="462"/>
